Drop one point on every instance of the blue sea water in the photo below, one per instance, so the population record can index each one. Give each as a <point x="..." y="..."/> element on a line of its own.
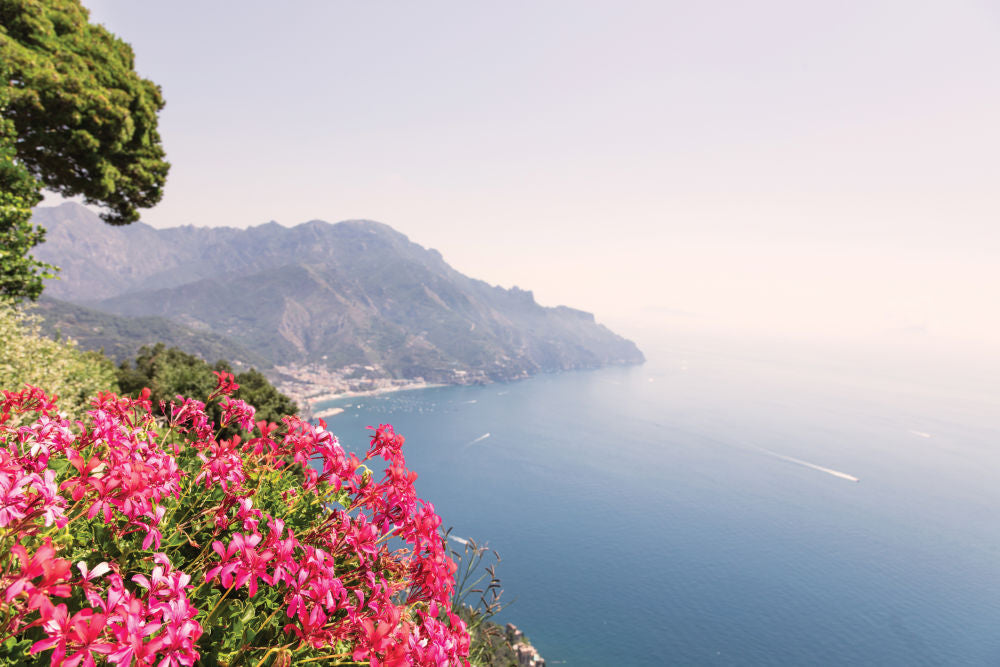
<point x="645" y="515"/>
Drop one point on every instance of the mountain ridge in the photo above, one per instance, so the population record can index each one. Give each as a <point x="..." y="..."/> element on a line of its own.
<point x="325" y="296"/>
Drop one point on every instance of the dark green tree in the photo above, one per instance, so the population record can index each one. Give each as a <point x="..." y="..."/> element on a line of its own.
<point x="74" y="118"/>
<point x="168" y="372"/>
<point x="258" y="391"/>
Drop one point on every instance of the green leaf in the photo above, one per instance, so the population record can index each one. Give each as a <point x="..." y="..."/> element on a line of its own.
<point x="176" y="540"/>
<point x="249" y="613"/>
<point x="216" y="618"/>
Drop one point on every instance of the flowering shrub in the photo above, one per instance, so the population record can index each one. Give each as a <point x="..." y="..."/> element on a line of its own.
<point x="130" y="539"/>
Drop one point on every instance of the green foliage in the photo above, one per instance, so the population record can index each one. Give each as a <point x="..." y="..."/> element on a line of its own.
<point x="28" y="357"/>
<point x="20" y="274"/>
<point x="256" y="390"/>
<point x="84" y="121"/>
<point x="75" y="118"/>
<point x="489" y="645"/>
<point x="168" y="372"/>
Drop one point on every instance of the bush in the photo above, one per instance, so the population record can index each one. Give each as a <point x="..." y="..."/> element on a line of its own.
<point x="168" y="372"/>
<point x="28" y="357"/>
<point x="156" y="541"/>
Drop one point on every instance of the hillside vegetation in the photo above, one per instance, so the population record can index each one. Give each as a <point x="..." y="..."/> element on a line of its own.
<point x="28" y="356"/>
<point x="120" y="338"/>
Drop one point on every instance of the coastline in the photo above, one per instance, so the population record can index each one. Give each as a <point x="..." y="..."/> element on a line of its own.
<point x="312" y="386"/>
<point x="314" y="402"/>
<point x="323" y="414"/>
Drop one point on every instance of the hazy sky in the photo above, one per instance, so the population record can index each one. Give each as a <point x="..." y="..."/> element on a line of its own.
<point x="791" y="166"/>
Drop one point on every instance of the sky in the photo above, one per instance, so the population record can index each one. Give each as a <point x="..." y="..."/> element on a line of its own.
<point x="775" y="167"/>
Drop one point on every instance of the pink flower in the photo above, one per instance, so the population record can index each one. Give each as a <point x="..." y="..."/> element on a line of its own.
<point x="78" y="485"/>
<point x="386" y="442"/>
<point x="239" y="411"/>
<point x="105" y="488"/>
<point x="190" y="416"/>
<point x="152" y="532"/>
<point x="55" y="622"/>
<point x="264" y="444"/>
<point x="165" y="583"/>
<point x="89" y="577"/>
<point x="53" y="571"/>
<point x="79" y="634"/>
<point x="247" y="514"/>
<point x="223" y="465"/>
<point x="13" y="495"/>
<point x="226" y="385"/>
<point x="241" y="563"/>
<point x="312" y="629"/>
<point x="132" y="623"/>
<point x="26" y="400"/>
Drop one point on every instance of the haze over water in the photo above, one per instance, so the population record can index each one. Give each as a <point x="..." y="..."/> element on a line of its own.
<point x="668" y="514"/>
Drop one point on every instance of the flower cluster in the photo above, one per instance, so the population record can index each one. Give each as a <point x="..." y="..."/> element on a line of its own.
<point x="118" y="624"/>
<point x="270" y="546"/>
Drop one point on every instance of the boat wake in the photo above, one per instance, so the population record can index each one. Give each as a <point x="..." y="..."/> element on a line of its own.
<point x="479" y="439"/>
<point x="828" y="471"/>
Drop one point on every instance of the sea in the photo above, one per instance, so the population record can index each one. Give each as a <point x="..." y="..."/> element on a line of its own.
<point x="728" y="502"/>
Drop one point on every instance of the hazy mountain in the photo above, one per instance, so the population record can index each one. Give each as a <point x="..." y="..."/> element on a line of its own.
<point x="333" y="295"/>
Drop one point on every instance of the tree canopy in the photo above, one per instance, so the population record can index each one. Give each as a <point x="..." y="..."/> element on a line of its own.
<point x="75" y="118"/>
<point x="168" y="372"/>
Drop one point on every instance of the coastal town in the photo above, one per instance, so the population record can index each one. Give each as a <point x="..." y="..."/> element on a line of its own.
<point x="311" y="384"/>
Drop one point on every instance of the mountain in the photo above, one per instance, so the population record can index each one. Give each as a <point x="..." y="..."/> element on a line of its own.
<point x="328" y="297"/>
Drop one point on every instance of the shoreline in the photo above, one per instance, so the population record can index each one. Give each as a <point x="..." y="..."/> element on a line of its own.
<point x="313" y="387"/>
<point x="314" y="402"/>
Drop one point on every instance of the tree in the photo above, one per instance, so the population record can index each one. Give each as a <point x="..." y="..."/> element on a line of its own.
<point x="168" y="372"/>
<point x="75" y="118"/>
